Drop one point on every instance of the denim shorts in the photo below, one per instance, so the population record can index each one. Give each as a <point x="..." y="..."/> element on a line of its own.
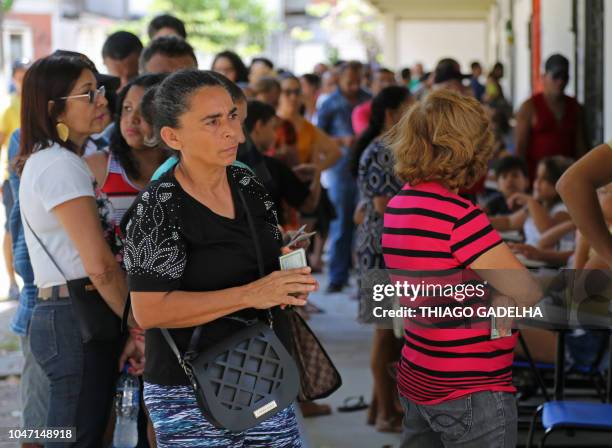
<point x="178" y="421"/>
<point x="480" y="420"/>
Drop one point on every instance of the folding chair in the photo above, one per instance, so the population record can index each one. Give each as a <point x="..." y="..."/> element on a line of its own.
<point x="575" y="415"/>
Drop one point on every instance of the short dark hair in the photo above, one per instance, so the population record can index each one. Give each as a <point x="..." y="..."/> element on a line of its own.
<point x="118" y="146"/>
<point x="267" y="62"/>
<point x="170" y="46"/>
<point x="242" y="73"/>
<point x="447" y="69"/>
<point x="258" y="111"/>
<point x="350" y="66"/>
<point x="48" y="79"/>
<point x="510" y="163"/>
<point x="556" y="63"/>
<point x="313" y="79"/>
<point x="406" y="73"/>
<point x="166" y="21"/>
<point x="475" y="64"/>
<point x="267" y="84"/>
<point x="120" y="45"/>
<point x="384" y="70"/>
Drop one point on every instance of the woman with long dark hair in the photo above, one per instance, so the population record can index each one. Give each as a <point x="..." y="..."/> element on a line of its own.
<point x="127" y="167"/>
<point x="231" y="66"/>
<point x="69" y="234"/>
<point x="377" y="184"/>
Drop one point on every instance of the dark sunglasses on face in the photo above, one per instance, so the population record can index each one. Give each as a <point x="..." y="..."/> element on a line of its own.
<point x="90" y="95"/>
<point x="290" y="92"/>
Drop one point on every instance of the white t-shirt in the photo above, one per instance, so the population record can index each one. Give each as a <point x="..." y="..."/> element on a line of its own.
<point x="532" y="234"/>
<point x="51" y="177"/>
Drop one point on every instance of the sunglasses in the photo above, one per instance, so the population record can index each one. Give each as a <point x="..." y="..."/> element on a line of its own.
<point x="90" y="95"/>
<point x="290" y="92"/>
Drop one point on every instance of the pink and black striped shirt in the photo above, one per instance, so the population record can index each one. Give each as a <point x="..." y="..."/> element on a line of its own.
<point x="428" y="228"/>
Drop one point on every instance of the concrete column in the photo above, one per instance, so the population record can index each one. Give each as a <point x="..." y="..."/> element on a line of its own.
<point x="389" y="41"/>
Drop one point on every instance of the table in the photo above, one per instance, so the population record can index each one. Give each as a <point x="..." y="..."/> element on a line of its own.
<point x="557" y="314"/>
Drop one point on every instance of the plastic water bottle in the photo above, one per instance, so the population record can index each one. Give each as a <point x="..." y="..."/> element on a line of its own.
<point x="127" y="402"/>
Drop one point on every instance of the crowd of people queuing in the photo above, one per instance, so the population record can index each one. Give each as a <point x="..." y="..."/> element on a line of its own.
<point x="131" y="180"/>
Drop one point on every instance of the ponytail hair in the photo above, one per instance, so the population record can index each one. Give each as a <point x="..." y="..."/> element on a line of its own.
<point x="389" y="98"/>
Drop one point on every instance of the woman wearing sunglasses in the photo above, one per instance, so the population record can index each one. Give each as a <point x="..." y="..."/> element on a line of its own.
<point x="69" y="235"/>
<point x="314" y="147"/>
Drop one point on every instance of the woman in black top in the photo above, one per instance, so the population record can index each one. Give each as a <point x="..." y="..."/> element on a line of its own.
<point x="191" y="260"/>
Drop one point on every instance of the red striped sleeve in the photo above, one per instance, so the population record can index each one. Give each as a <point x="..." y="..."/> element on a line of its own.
<point x="472" y="236"/>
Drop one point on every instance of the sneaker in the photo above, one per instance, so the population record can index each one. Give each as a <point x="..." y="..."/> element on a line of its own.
<point x="13" y="293"/>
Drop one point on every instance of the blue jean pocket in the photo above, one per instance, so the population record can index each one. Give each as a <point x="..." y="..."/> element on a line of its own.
<point x="452" y="419"/>
<point x="43" y="338"/>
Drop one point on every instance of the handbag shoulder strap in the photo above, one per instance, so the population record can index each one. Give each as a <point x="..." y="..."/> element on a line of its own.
<point x="260" y="263"/>
<point x="195" y="337"/>
<point x="43" y="246"/>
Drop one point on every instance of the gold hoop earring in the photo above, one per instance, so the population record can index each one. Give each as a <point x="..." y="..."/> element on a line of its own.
<point x="62" y="131"/>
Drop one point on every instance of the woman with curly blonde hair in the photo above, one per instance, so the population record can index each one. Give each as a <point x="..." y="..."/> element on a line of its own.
<point x="454" y="379"/>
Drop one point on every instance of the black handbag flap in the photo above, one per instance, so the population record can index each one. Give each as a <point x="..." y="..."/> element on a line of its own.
<point x="247" y="376"/>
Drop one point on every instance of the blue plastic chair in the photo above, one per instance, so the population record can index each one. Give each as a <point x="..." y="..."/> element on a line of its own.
<point x="575" y="415"/>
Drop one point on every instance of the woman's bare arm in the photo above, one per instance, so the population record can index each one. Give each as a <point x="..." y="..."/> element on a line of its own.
<point x="326" y="150"/>
<point x="515" y="221"/>
<point x="578" y="188"/>
<point x="504" y="272"/>
<point x="551" y="236"/>
<point x="79" y="218"/>
<point x="180" y="309"/>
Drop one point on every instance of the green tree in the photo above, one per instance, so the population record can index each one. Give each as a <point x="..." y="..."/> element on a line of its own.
<point x="215" y="25"/>
<point x="356" y="16"/>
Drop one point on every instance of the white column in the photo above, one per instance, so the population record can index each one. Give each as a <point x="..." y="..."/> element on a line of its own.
<point x="557" y="36"/>
<point x="522" y="79"/>
<point x="389" y="42"/>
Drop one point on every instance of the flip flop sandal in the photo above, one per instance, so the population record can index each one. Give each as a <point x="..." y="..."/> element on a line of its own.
<point x="353" y="404"/>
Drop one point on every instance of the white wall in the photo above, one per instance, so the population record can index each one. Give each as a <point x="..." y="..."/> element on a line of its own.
<point x="608" y="72"/>
<point x="430" y="41"/>
<point x="522" y="61"/>
<point x="557" y="36"/>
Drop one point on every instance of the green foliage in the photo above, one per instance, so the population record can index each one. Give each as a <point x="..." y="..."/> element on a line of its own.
<point x="356" y="16"/>
<point x="7" y="5"/>
<point x="215" y="25"/>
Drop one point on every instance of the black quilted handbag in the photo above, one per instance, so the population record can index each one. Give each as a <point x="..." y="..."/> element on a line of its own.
<point x="245" y="378"/>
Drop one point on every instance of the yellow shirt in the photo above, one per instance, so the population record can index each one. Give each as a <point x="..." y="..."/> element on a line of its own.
<point x="11" y="119"/>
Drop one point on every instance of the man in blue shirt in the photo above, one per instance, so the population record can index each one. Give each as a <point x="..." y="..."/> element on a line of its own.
<point x="477" y="88"/>
<point x="334" y="118"/>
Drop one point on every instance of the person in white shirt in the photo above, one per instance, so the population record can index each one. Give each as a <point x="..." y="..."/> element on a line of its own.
<point x="542" y="216"/>
<point x="67" y="229"/>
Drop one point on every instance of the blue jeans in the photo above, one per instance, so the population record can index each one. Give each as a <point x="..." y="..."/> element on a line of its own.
<point x="34" y="391"/>
<point x="81" y="376"/>
<point x="480" y="420"/>
<point x="343" y="194"/>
